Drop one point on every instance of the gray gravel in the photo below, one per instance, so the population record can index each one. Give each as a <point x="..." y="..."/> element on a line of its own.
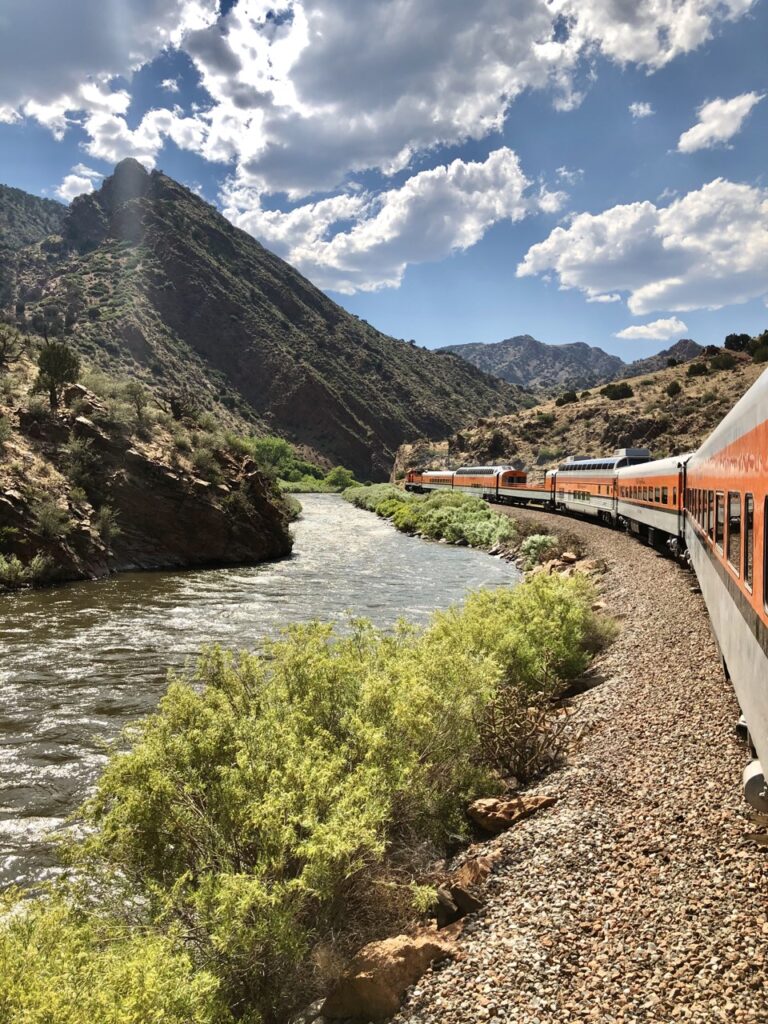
<point x="634" y="898"/>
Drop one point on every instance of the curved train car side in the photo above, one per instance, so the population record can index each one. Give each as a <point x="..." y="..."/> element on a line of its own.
<point x="709" y="507"/>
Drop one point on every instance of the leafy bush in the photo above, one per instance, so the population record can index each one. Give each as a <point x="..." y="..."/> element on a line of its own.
<point x="456" y="518"/>
<point x="6" y="431"/>
<point x="106" y="522"/>
<point x="340" y="478"/>
<point x="58" y="365"/>
<point x="673" y="388"/>
<point x="206" y="464"/>
<point x="697" y="370"/>
<point x="537" y="548"/>
<point x="52" y="522"/>
<point x="80" y="462"/>
<point x="57" y="964"/>
<point x="567" y="398"/>
<point x="15" y="573"/>
<point x="274" y="802"/>
<point x="760" y="354"/>
<point x="615" y="392"/>
<point x="723" y="361"/>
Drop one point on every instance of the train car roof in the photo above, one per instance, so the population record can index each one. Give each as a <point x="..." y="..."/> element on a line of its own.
<point x="468" y="470"/>
<point x="658" y="467"/>
<point x="438" y="472"/>
<point x="748" y="413"/>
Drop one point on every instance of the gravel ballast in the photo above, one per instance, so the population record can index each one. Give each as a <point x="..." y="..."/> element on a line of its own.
<point x="635" y="897"/>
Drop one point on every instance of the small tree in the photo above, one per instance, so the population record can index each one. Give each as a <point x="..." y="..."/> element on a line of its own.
<point x="137" y="395"/>
<point x="567" y="398"/>
<point x="340" y="478"/>
<point x="673" y="388"/>
<point x="57" y="365"/>
<point x="11" y="344"/>
<point x="737" y="342"/>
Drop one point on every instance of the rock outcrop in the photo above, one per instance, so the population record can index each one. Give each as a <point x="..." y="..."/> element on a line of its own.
<point x="380" y="974"/>
<point x="495" y="815"/>
<point x="160" y="513"/>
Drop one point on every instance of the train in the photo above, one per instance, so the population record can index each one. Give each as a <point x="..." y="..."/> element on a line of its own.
<point x="708" y="508"/>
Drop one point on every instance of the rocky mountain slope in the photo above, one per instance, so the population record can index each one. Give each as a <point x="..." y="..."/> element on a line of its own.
<point x="148" y="280"/>
<point x="25" y="219"/>
<point x="654" y="414"/>
<point x="530" y="363"/>
<point x="96" y="488"/>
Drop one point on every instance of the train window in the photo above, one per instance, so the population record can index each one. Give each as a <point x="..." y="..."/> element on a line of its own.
<point x="664" y="495"/>
<point x="720" y="520"/>
<point x="749" y="538"/>
<point x="734" y="529"/>
<point x="657" y="495"/>
<point x="674" y="496"/>
<point x="711" y="514"/>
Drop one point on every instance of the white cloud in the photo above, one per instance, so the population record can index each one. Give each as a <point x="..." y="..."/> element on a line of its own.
<point x="569" y="176"/>
<point x="49" y="51"/>
<point x="705" y="250"/>
<point x="657" y="330"/>
<point x="609" y="297"/>
<point x="81" y="179"/>
<point x="649" y="32"/>
<point x="719" y="120"/>
<point x="170" y="84"/>
<point x="640" y="110"/>
<point x="433" y="214"/>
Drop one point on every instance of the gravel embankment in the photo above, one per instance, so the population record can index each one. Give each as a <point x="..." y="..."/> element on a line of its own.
<point x="634" y="898"/>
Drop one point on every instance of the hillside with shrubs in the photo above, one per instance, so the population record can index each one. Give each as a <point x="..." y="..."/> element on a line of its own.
<point x="669" y="411"/>
<point x="97" y="475"/>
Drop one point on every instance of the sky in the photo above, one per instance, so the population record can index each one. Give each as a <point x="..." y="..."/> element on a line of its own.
<point x="578" y="170"/>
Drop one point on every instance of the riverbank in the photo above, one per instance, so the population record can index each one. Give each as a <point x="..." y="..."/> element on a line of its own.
<point x="635" y="898"/>
<point x="278" y="811"/>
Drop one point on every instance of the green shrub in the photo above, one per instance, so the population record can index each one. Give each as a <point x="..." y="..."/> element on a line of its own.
<point x="697" y="370"/>
<point x="57" y="964"/>
<point x="673" y="388"/>
<point x="615" y="392"/>
<point x="106" y="522"/>
<point x="206" y="464"/>
<point x="760" y="354"/>
<point x="339" y="478"/>
<point x="441" y="515"/>
<point x="6" y="431"/>
<point x="15" y="573"/>
<point x="723" y="361"/>
<point x="52" y="522"/>
<point x="567" y="398"/>
<point x="537" y="548"/>
<point x="274" y="802"/>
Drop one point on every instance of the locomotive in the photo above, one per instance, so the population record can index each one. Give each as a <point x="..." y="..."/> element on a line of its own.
<point x="708" y="507"/>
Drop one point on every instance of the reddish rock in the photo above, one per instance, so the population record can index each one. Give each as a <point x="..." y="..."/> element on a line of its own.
<point x="495" y="815"/>
<point x="376" y="982"/>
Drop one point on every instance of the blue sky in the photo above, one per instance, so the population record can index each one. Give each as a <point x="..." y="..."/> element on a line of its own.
<point x="580" y="170"/>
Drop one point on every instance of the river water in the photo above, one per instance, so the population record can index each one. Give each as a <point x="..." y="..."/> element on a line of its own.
<point x="79" y="662"/>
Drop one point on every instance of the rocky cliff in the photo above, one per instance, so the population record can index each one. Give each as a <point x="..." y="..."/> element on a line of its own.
<point x="81" y="496"/>
<point x="148" y="280"/>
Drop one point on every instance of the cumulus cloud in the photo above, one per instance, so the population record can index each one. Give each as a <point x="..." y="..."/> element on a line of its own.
<point x="433" y="214"/>
<point x="170" y="84"/>
<point x="640" y="110"/>
<point x="569" y="176"/>
<point x="657" y="330"/>
<point x="648" y="32"/>
<point x="81" y="179"/>
<point x="707" y="249"/>
<point x="719" y="120"/>
<point x="48" y="50"/>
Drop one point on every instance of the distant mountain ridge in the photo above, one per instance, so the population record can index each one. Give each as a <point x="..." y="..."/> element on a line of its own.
<point x="529" y="363"/>
<point x="148" y="280"/>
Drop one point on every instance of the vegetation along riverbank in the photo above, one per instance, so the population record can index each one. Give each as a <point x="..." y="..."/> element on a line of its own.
<point x="456" y="518"/>
<point x="280" y="811"/>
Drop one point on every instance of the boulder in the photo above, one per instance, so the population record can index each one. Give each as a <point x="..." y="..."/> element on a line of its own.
<point x="496" y="815"/>
<point x="569" y="557"/>
<point x="380" y="974"/>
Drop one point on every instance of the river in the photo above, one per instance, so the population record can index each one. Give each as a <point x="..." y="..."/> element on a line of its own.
<point x="79" y="662"/>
